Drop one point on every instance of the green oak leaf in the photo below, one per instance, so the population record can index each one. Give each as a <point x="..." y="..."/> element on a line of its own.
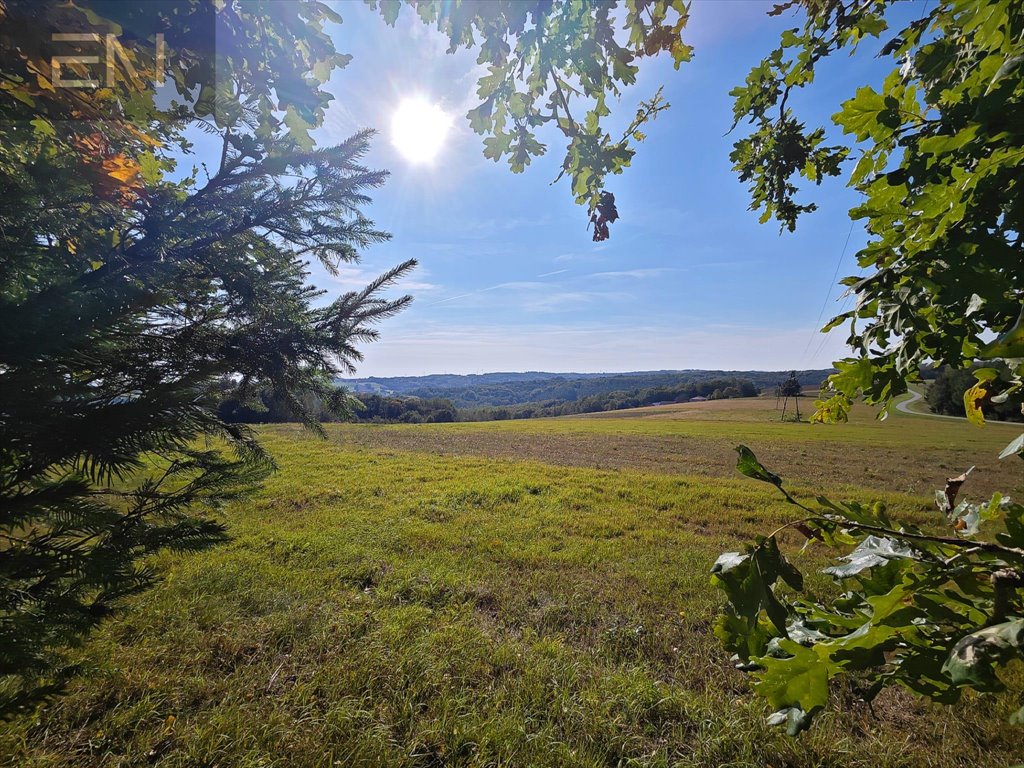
<point x="794" y="718"/>
<point x="748" y="465"/>
<point x="1009" y="344"/>
<point x="872" y="551"/>
<point x="854" y="375"/>
<point x="729" y="561"/>
<point x="1016" y="447"/>
<point x="801" y="680"/>
<point x="972" y="658"/>
<point x="298" y="129"/>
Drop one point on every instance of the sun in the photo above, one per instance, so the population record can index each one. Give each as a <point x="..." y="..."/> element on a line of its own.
<point x="418" y="129"/>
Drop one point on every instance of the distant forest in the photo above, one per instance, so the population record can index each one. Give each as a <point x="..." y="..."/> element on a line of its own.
<point x="710" y="389"/>
<point x="507" y="389"/>
<point x="499" y="396"/>
<point x="370" y="408"/>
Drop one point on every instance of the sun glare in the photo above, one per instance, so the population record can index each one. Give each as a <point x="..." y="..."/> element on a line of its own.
<point x="418" y="129"/>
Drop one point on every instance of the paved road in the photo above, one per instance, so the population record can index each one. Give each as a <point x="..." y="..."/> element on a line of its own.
<point x="915" y="395"/>
<point x="904" y="406"/>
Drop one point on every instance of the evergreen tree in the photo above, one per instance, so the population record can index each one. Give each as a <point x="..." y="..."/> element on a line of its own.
<point x="129" y="302"/>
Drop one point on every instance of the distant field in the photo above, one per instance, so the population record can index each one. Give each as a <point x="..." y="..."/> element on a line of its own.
<point x="530" y="593"/>
<point x="904" y="453"/>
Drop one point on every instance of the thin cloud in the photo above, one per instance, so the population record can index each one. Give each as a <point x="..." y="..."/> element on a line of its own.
<point x="564" y="258"/>
<point x="736" y="263"/>
<point x="499" y="226"/>
<point x="639" y="274"/>
<point x="556" y="272"/>
<point x="357" y="278"/>
<point x="533" y="296"/>
<point x="351" y="277"/>
<point x="413" y="285"/>
<point x="561" y="301"/>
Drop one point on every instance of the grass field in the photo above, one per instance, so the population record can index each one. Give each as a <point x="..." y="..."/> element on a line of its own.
<point x="530" y="593"/>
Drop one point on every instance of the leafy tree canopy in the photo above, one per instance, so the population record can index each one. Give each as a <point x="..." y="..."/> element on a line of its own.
<point x="934" y="613"/>
<point x="560" y="64"/>
<point x="134" y="294"/>
<point x="936" y="155"/>
<point x="791" y="387"/>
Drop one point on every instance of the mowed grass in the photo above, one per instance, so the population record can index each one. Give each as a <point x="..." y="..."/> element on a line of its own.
<point x="380" y="606"/>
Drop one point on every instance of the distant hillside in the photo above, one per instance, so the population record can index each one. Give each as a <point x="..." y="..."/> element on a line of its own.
<point x="401" y="385"/>
<point x="504" y="389"/>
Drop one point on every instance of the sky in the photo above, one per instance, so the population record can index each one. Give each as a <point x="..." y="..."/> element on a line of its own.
<point x="509" y="278"/>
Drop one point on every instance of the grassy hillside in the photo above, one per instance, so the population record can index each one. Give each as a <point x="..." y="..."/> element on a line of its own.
<point x="509" y="593"/>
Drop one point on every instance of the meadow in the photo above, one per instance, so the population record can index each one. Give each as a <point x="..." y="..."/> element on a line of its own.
<point x="528" y="593"/>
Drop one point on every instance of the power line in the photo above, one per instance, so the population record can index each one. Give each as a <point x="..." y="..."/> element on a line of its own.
<point x="847" y="296"/>
<point x="828" y="294"/>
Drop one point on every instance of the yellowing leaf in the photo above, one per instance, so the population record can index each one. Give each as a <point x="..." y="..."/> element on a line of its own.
<point x="121" y="168"/>
<point x="142" y="136"/>
<point x="832" y="411"/>
<point x="973" y="398"/>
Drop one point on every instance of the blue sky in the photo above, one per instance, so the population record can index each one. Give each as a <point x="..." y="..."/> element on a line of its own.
<point x="509" y="278"/>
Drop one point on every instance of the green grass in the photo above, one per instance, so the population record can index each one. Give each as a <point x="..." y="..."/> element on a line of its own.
<point x="447" y="606"/>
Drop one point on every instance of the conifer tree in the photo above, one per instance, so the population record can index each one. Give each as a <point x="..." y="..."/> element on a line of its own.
<point x="129" y="300"/>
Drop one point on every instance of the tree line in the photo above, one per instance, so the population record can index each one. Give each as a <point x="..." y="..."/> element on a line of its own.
<point x="712" y="389"/>
<point x="666" y="386"/>
<point x="268" y="408"/>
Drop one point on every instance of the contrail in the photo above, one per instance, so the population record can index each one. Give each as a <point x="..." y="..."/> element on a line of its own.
<point x="471" y="293"/>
